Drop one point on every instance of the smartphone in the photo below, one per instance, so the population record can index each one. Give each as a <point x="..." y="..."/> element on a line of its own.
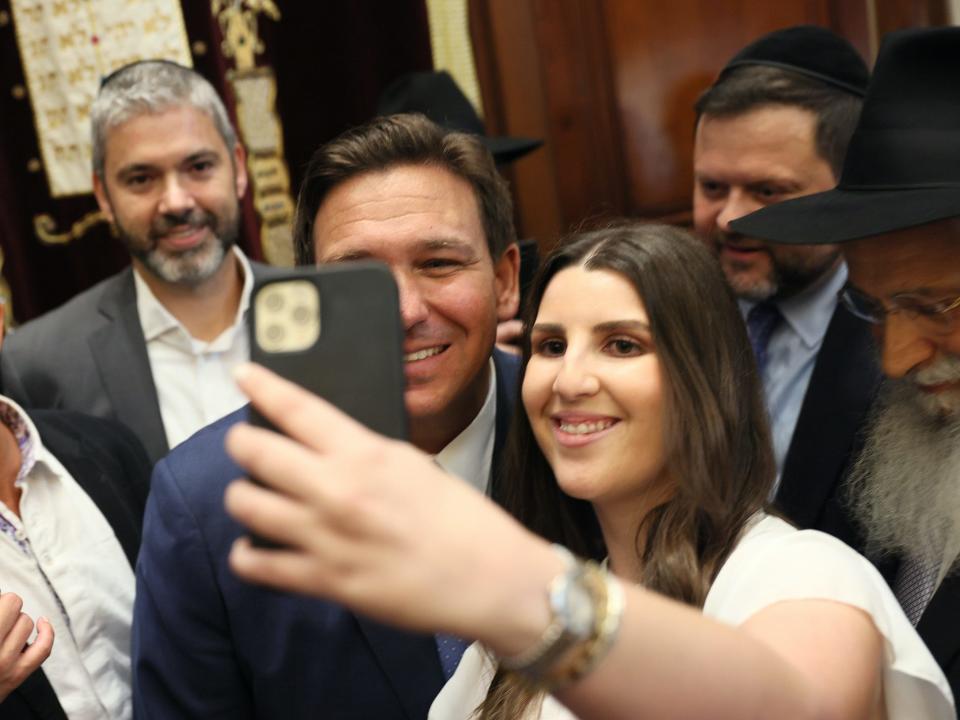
<point x="336" y="331"/>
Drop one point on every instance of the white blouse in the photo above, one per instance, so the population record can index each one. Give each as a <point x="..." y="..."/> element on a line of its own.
<point x="773" y="562"/>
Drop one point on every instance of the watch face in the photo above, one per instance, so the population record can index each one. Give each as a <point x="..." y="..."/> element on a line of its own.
<point x="579" y="610"/>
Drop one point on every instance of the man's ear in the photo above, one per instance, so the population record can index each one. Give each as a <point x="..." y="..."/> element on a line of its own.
<point x="240" y="168"/>
<point x="507" y="280"/>
<point x="103" y="200"/>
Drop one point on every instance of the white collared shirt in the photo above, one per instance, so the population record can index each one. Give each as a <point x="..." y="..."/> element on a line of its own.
<point x="792" y="353"/>
<point x="194" y="379"/>
<point x="470" y="454"/>
<point x="62" y="557"/>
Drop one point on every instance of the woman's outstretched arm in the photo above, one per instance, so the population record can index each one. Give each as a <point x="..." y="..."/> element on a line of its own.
<point x="374" y="524"/>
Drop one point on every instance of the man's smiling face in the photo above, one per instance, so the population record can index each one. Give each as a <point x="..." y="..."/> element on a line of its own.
<point x="171" y="187"/>
<point x="743" y="163"/>
<point x="424" y="222"/>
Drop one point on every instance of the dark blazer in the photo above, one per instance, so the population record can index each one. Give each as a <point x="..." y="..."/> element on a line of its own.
<point x="829" y="431"/>
<point x="206" y="644"/>
<point x="109" y="463"/>
<point x="939" y="627"/>
<point x="89" y="355"/>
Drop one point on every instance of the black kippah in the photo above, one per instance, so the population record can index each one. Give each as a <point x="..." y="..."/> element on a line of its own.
<point x="809" y="50"/>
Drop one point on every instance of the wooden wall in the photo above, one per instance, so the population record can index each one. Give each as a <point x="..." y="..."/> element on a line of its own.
<point x="610" y="86"/>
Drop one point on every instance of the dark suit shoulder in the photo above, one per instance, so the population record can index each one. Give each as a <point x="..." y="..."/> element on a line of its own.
<point x="103" y="433"/>
<point x="76" y="317"/>
<point x="111" y="446"/>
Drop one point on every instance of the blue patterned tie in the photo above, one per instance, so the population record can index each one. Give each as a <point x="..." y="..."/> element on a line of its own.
<point x="762" y="320"/>
<point x="451" y="650"/>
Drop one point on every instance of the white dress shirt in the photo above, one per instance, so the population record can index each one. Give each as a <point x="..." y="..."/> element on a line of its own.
<point x="62" y="557"/>
<point x="194" y="379"/>
<point x="792" y="353"/>
<point x="470" y="454"/>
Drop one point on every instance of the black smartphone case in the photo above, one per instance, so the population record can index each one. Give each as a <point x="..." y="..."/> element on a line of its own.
<point x="357" y="361"/>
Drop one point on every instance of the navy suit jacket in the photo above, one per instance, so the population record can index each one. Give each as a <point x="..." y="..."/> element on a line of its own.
<point x="830" y="428"/>
<point x="208" y="645"/>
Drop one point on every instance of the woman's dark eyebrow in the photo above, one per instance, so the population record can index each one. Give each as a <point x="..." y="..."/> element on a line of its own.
<point x="548" y="328"/>
<point x="632" y="325"/>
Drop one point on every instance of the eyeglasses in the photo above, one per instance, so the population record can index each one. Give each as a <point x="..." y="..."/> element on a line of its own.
<point x="936" y="315"/>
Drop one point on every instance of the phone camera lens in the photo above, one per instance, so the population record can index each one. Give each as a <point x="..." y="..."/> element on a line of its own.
<point x="276" y="332"/>
<point x="274" y="301"/>
<point x="301" y="314"/>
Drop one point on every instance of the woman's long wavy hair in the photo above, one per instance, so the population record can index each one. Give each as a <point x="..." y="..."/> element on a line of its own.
<point x="717" y="442"/>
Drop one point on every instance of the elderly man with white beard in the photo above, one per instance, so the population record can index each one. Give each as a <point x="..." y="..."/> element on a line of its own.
<point x="897" y="211"/>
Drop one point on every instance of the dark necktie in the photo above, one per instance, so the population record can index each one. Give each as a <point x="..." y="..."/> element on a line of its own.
<point x="450" y="648"/>
<point x="762" y="320"/>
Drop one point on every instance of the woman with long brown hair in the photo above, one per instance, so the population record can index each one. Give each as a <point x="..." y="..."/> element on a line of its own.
<point x="643" y="444"/>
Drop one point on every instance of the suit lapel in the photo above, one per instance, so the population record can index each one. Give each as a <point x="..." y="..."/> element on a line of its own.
<point x="410" y="663"/>
<point x="120" y="353"/>
<point x="842" y="386"/>
<point x="508" y="371"/>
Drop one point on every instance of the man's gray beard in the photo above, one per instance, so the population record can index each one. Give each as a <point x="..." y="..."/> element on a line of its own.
<point x="191" y="267"/>
<point x="905" y="486"/>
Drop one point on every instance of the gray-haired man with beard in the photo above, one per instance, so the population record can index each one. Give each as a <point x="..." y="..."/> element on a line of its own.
<point x="897" y="209"/>
<point x="152" y="346"/>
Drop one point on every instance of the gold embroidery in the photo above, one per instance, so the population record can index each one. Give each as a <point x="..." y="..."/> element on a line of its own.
<point x="45" y="227"/>
<point x="238" y="23"/>
<point x="255" y="89"/>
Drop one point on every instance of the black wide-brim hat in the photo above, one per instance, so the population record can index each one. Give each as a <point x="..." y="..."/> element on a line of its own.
<point x="436" y="95"/>
<point x="902" y="167"/>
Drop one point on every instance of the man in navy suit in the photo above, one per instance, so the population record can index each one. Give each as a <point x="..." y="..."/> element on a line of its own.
<point x="775" y="125"/>
<point x="430" y="204"/>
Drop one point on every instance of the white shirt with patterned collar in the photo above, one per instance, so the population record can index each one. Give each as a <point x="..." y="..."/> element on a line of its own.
<point x="63" y="559"/>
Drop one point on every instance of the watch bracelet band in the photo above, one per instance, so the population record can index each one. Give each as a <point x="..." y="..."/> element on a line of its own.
<point x="601" y="641"/>
<point x="546" y="648"/>
<point x="552" y="663"/>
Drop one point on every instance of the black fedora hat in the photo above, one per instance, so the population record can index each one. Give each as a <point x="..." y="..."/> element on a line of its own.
<point x="810" y="50"/>
<point x="436" y="95"/>
<point x="903" y="164"/>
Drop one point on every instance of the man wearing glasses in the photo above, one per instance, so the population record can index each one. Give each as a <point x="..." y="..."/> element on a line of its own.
<point x="897" y="211"/>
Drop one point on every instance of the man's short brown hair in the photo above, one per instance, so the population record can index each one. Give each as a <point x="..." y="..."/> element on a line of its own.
<point x="405" y="139"/>
<point x="749" y="87"/>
